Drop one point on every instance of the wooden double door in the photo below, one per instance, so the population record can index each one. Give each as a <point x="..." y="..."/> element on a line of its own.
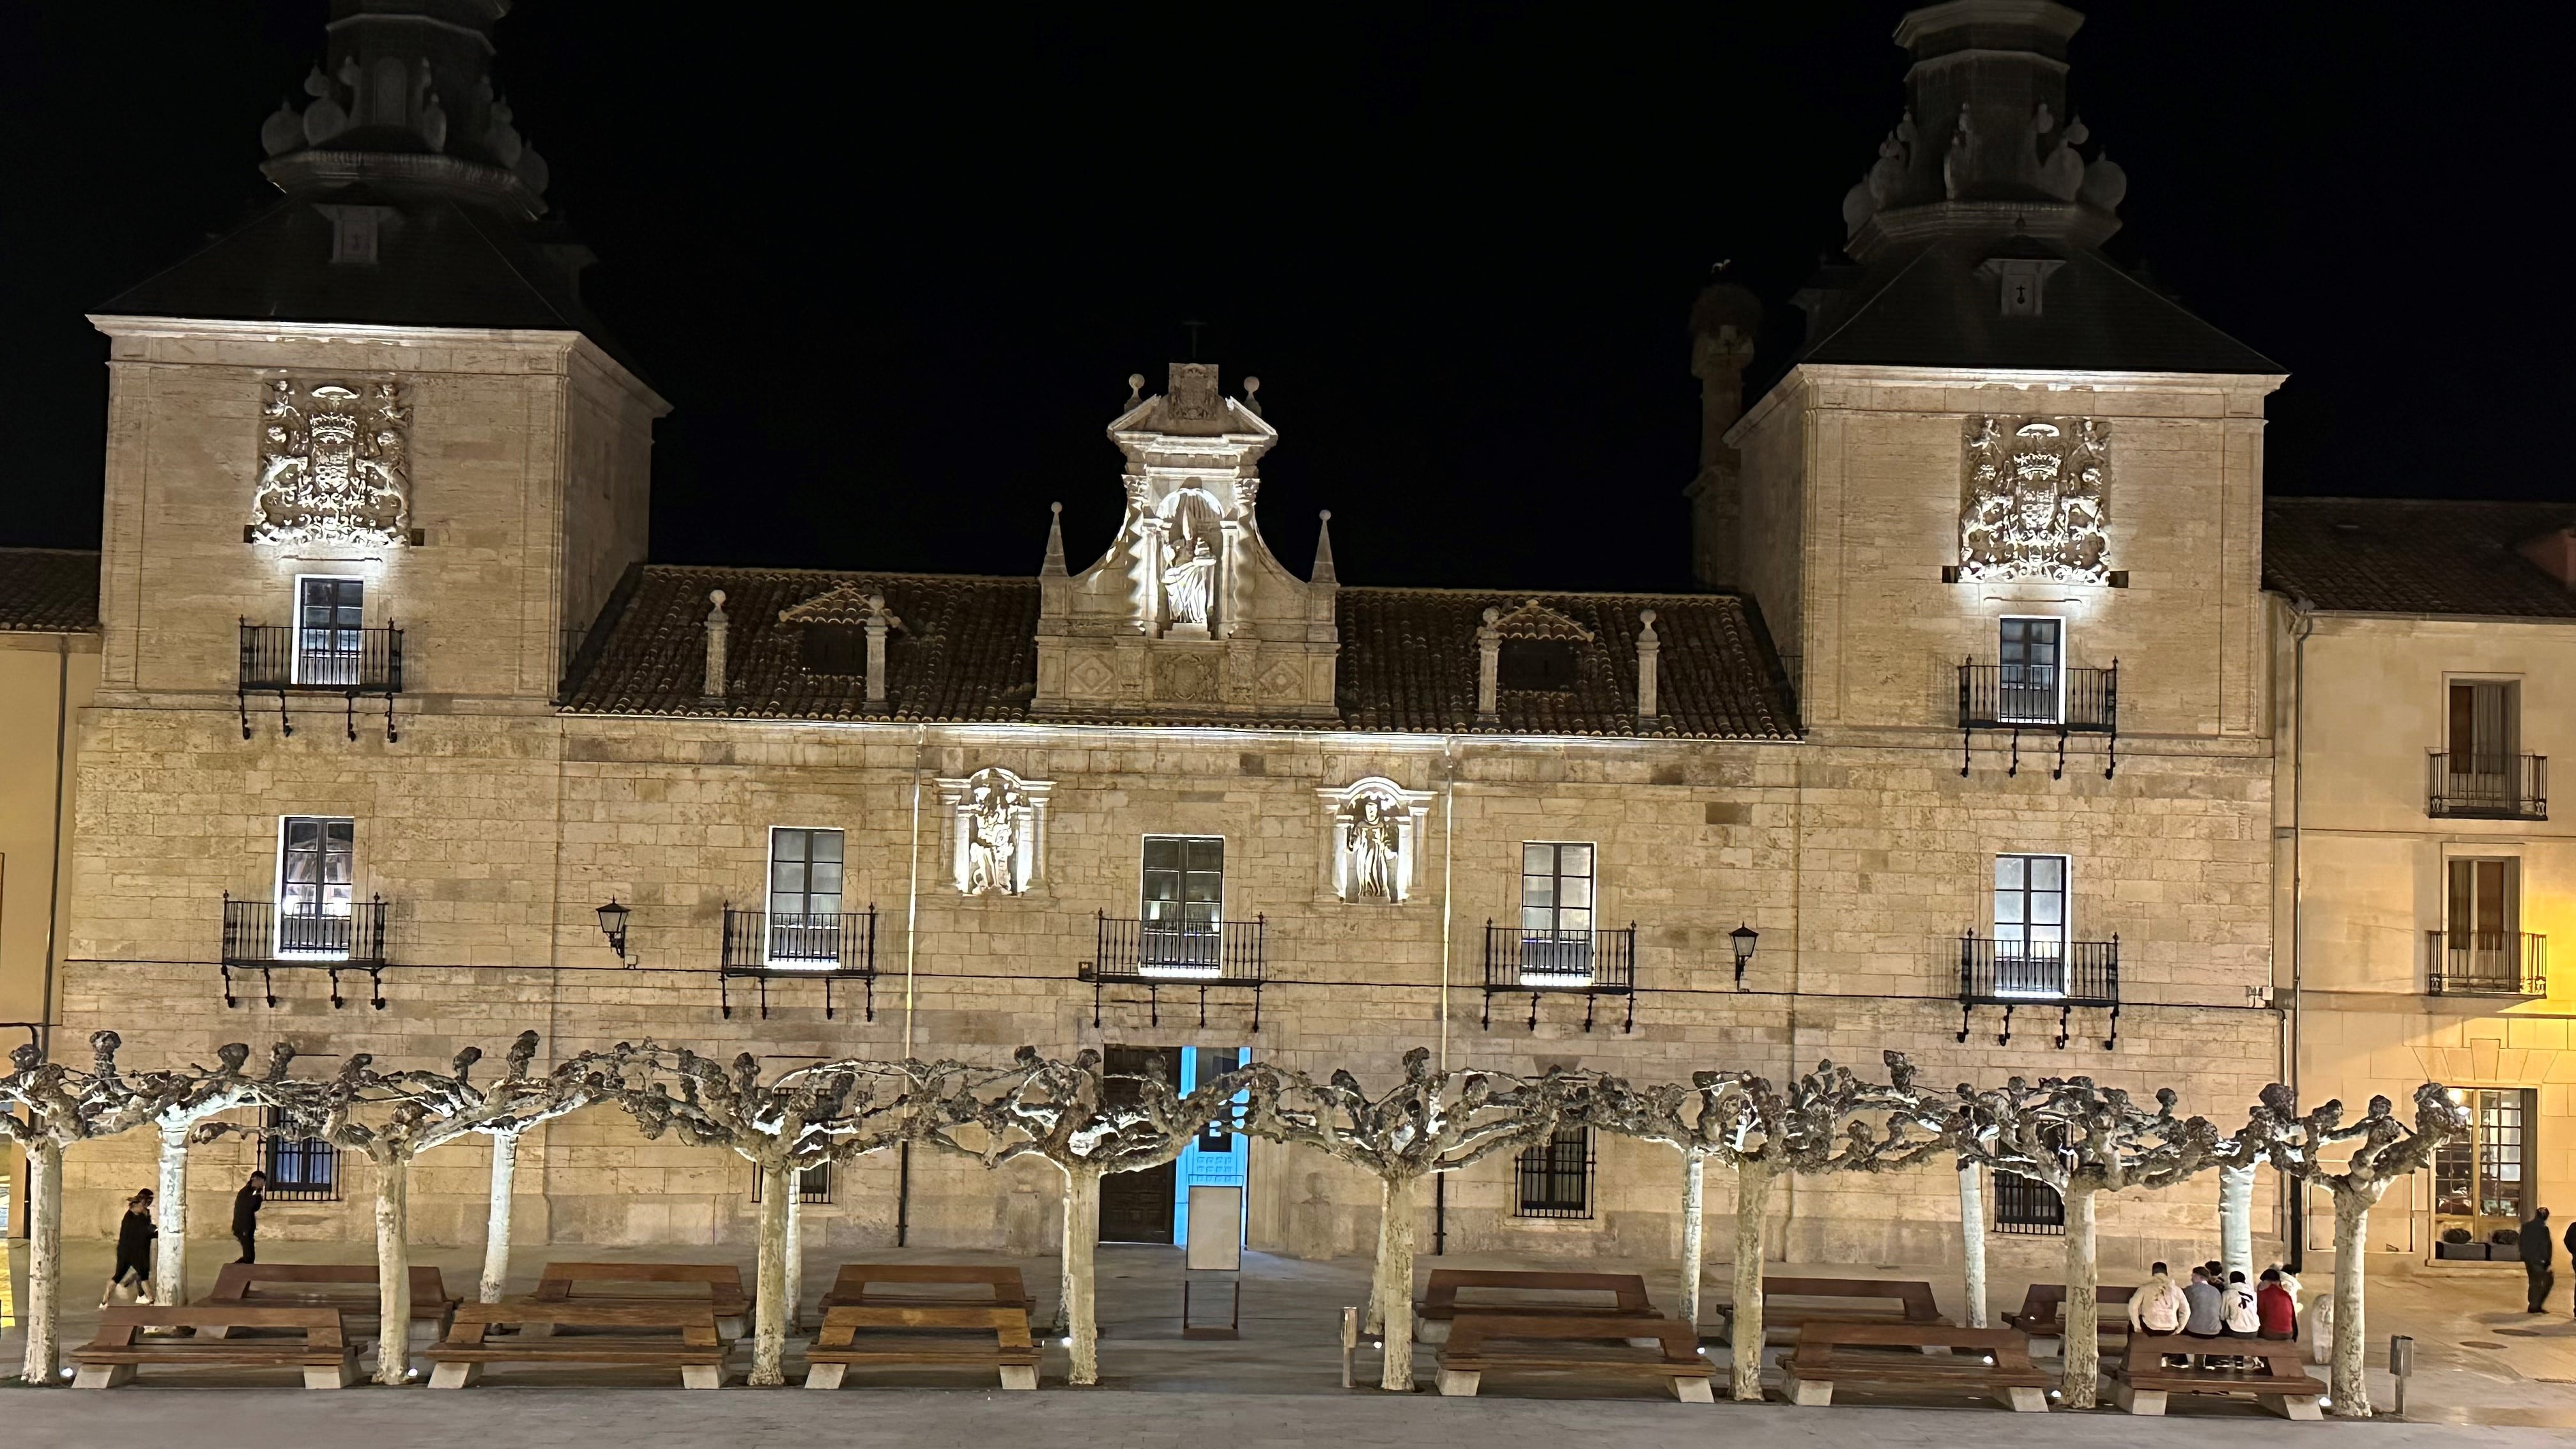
<point x="1136" y="1207"/>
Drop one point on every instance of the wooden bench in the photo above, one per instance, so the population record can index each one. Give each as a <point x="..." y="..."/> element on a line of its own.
<point x="976" y="1335"/>
<point x="2043" y="1311"/>
<point x="721" y="1282"/>
<point x="1848" y="1300"/>
<point x="2141" y="1382"/>
<point x="1439" y="1305"/>
<point x="671" y="1333"/>
<point x="319" y="1345"/>
<point x="1993" y="1361"/>
<point x="1596" y="1346"/>
<point x="853" y="1285"/>
<point x="349" y="1287"/>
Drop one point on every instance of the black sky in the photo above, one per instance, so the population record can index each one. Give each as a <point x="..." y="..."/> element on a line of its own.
<point x="894" y="274"/>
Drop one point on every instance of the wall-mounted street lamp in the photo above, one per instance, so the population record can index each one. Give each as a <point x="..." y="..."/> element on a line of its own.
<point x="1743" y="937"/>
<point x="612" y="924"/>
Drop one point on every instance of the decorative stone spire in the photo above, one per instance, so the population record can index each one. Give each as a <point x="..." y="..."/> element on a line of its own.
<point x="717" y="628"/>
<point x="1988" y="141"/>
<point x="1648" y="648"/>
<point x="1323" y="575"/>
<point x="879" y="621"/>
<point x="404" y="94"/>
<point x="1053" y="567"/>
<point x="1489" y="669"/>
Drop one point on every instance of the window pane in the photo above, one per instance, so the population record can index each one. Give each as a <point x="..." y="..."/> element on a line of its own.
<point x="2047" y="873"/>
<point x="2008" y="872"/>
<point x="1577" y="891"/>
<point x="827" y="846"/>
<point x="824" y="876"/>
<point x="1162" y="853"/>
<point x="1538" y="891"/>
<point x="1207" y="854"/>
<point x="1575" y="860"/>
<point x="1538" y="860"/>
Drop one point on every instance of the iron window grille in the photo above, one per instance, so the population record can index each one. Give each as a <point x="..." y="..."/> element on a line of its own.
<point x="2028" y="1207"/>
<point x="813" y="1185"/>
<point x="300" y="1169"/>
<point x="1554" y="1177"/>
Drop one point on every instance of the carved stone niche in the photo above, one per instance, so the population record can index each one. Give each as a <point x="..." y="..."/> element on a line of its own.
<point x="2032" y="504"/>
<point x="1375" y="830"/>
<point x="996" y="831"/>
<point x="334" y="464"/>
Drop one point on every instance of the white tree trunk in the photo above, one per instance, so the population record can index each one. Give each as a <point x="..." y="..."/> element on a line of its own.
<point x="1081" y="1242"/>
<point x="2236" y="1220"/>
<point x="1972" y="1240"/>
<point x="1694" y="1234"/>
<point x="2082" y="1354"/>
<point x="496" y="1221"/>
<point x="769" y="1302"/>
<point x="170" y="1255"/>
<point x="393" y="1270"/>
<point x="2349" y="1381"/>
<point x="1374" y="1321"/>
<point x="1395" y="1284"/>
<point x="1744" y="1328"/>
<point x="795" y="1289"/>
<point x="44" y="1263"/>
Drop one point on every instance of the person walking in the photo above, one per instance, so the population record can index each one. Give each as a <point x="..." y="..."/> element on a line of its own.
<point x="134" y="1238"/>
<point x="246" y="1206"/>
<point x="2536" y="1248"/>
<point x="2278" y="1311"/>
<point x="2571" y="1245"/>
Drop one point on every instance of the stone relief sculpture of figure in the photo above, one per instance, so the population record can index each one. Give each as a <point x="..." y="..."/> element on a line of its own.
<point x="993" y="825"/>
<point x="1189" y="559"/>
<point x="1372" y="838"/>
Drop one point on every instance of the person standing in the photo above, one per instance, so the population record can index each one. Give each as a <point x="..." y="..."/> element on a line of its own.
<point x="2571" y="1245"/>
<point x="246" y="1206"/>
<point x="2536" y="1249"/>
<point x="134" y="1238"/>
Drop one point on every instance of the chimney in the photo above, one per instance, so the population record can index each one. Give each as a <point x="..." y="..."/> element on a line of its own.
<point x="1489" y="669"/>
<point x="878" y="620"/>
<point x="1648" y="646"/>
<point x="2556" y="554"/>
<point x="714" y="687"/>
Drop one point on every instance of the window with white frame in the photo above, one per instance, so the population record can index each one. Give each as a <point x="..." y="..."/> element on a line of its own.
<point x="1556" y="911"/>
<point x="316" y="871"/>
<point x="804" y="896"/>
<point x="2030" y="925"/>
<point x="1183" y="906"/>
<point x="330" y="632"/>
<point x="2030" y="678"/>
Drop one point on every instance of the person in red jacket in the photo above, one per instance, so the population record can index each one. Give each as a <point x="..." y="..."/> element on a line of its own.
<point x="2278" y="1310"/>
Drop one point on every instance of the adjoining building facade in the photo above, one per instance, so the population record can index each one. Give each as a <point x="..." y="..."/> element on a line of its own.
<point x="1972" y="724"/>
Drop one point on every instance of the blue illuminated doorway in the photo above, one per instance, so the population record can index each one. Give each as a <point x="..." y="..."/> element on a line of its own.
<point x="1216" y="1157"/>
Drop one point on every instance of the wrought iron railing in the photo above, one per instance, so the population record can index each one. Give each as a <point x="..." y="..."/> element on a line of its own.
<point x="2486" y="787"/>
<point x="2486" y="963"/>
<point x="1519" y="958"/>
<point x="1554" y="1178"/>
<point x="1214" y="953"/>
<point x="329" y="661"/>
<point x="2012" y="973"/>
<point x="2027" y="1207"/>
<point x="262" y="933"/>
<point x="794" y="942"/>
<point x="2039" y="696"/>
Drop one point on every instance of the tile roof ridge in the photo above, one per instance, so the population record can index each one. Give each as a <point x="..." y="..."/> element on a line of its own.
<point x="743" y="570"/>
<point x="1681" y="595"/>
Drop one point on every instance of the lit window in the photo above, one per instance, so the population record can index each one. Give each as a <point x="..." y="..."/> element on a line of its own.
<point x="2031" y="678"/>
<point x="1556" y="913"/>
<point x="330" y="633"/>
<point x="316" y="863"/>
<point x="804" y="896"/>
<point x="1183" y="907"/>
<point x="2030" y="925"/>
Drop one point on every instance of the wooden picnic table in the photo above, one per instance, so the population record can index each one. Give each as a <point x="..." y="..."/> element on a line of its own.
<point x="926" y="1335"/>
<point x="720" y="1283"/>
<point x="1518" y="1294"/>
<point x="312" y="1340"/>
<point x="1984" y="1361"/>
<point x="352" y="1288"/>
<point x="675" y="1333"/>
<point x="2043" y="1311"/>
<point x="1790" y="1304"/>
<point x="2141" y="1381"/>
<point x="856" y="1284"/>
<point x="1596" y="1346"/>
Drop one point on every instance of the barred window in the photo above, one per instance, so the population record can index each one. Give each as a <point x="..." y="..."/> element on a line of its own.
<point x="813" y="1184"/>
<point x="2028" y="1206"/>
<point x="300" y="1169"/>
<point x="1555" y="1177"/>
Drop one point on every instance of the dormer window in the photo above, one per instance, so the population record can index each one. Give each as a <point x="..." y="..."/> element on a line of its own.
<point x="1543" y="664"/>
<point x="833" y="648"/>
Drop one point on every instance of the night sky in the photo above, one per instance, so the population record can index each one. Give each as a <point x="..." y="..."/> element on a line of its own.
<point x="893" y="276"/>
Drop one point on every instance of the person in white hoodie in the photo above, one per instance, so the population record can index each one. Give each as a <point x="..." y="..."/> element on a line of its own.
<point x="2159" y="1306"/>
<point x="2241" y="1312"/>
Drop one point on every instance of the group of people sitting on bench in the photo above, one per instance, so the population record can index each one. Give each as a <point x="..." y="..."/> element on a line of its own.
<point x="2217" y="1304"/>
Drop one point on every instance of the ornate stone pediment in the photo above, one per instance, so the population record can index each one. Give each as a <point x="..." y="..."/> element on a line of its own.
<point x="334" y="464"/>
<point x="1534" y="620"/>
<point x="2032" y="503"/>
<point x="842" y="604"/>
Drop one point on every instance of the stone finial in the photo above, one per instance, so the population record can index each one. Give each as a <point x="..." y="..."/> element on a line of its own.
<point x="717" y="626"/>
<point x="1489" y="669"/>
<point x="878" y="622"/>
<point x="1135" y="390"/>
<point x="1648" y="646"/>
<point x="1053" y="567"/>
<point x="1323" y="575"/>
<point x="1251" y="395"/>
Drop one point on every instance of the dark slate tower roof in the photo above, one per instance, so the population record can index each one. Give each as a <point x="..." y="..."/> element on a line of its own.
<point x="1975" y="235"/>
<point x="410" y="197"/>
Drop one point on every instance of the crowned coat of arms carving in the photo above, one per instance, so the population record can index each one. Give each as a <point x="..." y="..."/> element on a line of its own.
<point x="334" y="465"/>
<point x="2033" y="506"/>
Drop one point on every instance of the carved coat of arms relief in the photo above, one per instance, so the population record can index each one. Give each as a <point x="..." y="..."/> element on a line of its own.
<point x="2032" y="506"/>
<point x="334" y="464"/>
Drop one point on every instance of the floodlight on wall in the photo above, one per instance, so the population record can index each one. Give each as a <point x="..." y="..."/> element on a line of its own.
<point x="612" y="924"/>
<point x="1743" y="937"/>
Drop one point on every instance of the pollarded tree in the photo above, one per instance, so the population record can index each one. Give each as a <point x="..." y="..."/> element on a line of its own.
<point x="203" y="1094"/>
<point x="2083" y="1140"/>
<point x="1087" y="1124"/>
<point x="515" y="1105"/>
<point x="1428" y="1122"/>
<point x="2383" y="1150"/>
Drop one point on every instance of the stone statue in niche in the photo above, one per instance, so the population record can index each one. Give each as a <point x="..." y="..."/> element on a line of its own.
<point x="1190" y="539"/>
<point x="1372" y="838"/>
<point x="2033" y="500"/>
<point x="993" y="819"/>
<point x="334" y="465"/>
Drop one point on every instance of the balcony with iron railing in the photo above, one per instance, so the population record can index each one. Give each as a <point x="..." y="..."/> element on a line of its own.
<point x="2486" y="963"/>
<point x="1542" y="960"/>
<point x="2013" y="974"/>
<point x="2041" y="697"/>
<point x="1159" y="954"/>
<point x="268" y="936"/>
<point x="282" y="659"/>
<point x="2465" y="786"/>
<point x="830" y="946"/>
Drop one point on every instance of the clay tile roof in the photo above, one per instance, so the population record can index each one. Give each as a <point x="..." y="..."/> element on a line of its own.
<point x="48" y="590"/>
<point x="2414" y="556"/>
<point x="1534" y="620"/>
<point x="968" y="651"/>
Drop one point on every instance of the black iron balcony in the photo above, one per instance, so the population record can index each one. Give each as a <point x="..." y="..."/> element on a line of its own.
<point x="267" y="936"/>
<point x="1541" y="960"/>
<point x="1156" y="954"/>
<point x="2486" y="787"/>
<point x="282" y="659"/>
<point x="2013" y="974"/>
<point x="2486" y="963"/>
<point x="2045" y="697"/>
<point x="828" y="946"/>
